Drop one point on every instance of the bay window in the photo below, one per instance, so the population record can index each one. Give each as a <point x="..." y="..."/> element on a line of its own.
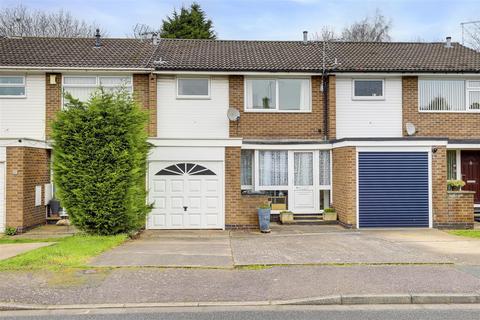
<point x="82" y="87"/>
<point x="448" y="95"/>
<point x="12" y="86"/>
<point x="277" y="94"/>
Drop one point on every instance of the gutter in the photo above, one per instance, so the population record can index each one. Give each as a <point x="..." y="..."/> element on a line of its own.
<point x="86" y="69"/>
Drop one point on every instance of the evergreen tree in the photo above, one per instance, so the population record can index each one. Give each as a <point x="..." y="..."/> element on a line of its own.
<point x="190" y="23"/>
<point x="99" y="161"/>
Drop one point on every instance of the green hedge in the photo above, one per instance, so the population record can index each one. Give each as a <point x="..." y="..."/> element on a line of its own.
<point x="99" y="162"/>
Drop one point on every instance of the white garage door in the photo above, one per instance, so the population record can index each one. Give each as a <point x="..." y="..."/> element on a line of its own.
<point x="2" y="197"/>
<point x="186" y="195"/>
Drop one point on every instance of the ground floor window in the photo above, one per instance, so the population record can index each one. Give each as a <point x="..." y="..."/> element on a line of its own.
<point x="451" y="164"/>
<point x="295" y="180"/>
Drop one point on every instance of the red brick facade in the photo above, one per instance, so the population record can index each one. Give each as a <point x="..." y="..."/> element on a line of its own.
<point x="344" y="175"/>
<point x="53" y="100"/>
<point x="145" y="93"/>
<point x="454" y="125"/>
<point x="459" y="214"/>
<point x="26" y="168"/>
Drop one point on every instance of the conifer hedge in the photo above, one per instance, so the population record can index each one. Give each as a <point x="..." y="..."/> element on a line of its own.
<point x="99" y="162"/>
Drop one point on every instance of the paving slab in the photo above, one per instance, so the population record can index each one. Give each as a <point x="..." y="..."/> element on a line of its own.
<point x="14" y="249"/>
<point x="209" y="249"/>
<point x="156" y="285"/>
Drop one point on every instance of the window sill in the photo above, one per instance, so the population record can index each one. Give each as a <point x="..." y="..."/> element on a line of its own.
<point x="276" y="111"/>
<point x="368" y="98"/>
<point x="193" y="98"/>
<point x="449" y="111"/>
<point x="13" y="97"/>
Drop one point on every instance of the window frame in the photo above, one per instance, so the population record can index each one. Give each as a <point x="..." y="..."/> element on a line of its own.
<point x="277" y="109"/>
<point x="466" y="95"/>
<point x="192" y="97"/>
<point x="252" y="185"/>
<point x="16" y="85"/>
<point x="97" y="82"/>
<point x="368" y="98"/>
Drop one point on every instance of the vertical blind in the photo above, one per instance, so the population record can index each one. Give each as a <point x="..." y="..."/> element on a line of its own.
<point x="442" y="95"/>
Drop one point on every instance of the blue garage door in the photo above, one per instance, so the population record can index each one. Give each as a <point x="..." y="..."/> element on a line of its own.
<point x="393" y="189"/>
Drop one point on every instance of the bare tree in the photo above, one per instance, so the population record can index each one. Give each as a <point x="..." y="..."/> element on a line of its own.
<point x="326" y="34"/>
<point x="374" y="28"/>
<point x="143" y="31"/>
<point x="21" y="21"/>
<point x="471" y="34"/>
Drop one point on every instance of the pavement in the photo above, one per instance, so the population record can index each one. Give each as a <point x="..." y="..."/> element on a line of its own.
<point x="14" y="249"/>
<point x="292" y="245"/>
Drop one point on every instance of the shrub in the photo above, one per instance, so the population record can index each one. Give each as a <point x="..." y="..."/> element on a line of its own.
<point x="99" y="161"/>
<point x="455" y="184"/>
<point x="10" y="231"/>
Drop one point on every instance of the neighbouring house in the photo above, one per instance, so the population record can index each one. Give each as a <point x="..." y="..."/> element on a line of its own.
<point x="374" y="130"/>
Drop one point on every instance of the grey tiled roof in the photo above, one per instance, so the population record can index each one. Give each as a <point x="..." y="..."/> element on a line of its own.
<point x="233" y="55"/>
<point x="75" y="52"/>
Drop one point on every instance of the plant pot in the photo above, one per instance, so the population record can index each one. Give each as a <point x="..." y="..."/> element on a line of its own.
<point x="54" y="206"/>
<point x="286" y="217"/>
<point x="264" y="219"/>
<point x="330" y="216"/>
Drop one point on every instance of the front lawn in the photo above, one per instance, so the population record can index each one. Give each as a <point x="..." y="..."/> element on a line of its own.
<point x="466" y="233"/>
<point x="70" y="252"/>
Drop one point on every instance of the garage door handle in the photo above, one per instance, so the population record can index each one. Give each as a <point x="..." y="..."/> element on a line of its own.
<point x="185" y="208"/>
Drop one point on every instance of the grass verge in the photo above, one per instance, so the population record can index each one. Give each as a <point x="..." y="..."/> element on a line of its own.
<point x="466" y="233"/>
<point x="70" y="252"/>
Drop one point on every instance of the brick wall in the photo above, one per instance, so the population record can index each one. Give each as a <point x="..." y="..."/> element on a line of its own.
<point x="53" y="101"/>
<point x="332" y="108"/>
<point x="459" y="213"/>
<point x="276" y="125"/>
<point x="26" y="168"/>
<point x="454" y="125"/>
<point x="145" y="93"/>
<point x="344" y="176"/>
<point x="439" y="183"/>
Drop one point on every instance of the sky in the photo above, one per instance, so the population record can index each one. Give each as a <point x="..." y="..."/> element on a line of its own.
<point x="429" y="20"/>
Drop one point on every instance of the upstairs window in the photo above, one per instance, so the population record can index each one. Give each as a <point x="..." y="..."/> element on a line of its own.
<point x="452" y="95"/>
<point x="368" y="89"/>
<point x="193" y="88"/>
<point x="82" y="87"/>
<point x="12" y="86"/>
<point x="278" y="95"/>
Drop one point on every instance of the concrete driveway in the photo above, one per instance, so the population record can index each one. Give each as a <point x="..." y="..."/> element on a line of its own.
<point x="293" y="245"/>
<point x="14" y="249"/>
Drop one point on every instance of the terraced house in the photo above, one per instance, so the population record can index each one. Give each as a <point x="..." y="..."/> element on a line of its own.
<point x="371" y="129"/>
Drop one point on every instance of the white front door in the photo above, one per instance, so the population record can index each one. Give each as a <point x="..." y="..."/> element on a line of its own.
<point x="2" y="197"/>
<point x="303" y="184"/>
<point x="186" y="195"/>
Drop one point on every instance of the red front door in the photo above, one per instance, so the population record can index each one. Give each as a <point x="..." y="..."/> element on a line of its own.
<point x="471" y="172"/>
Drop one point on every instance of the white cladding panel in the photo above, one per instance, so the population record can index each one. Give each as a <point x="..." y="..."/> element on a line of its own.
<point x="369" y="118"/>
<point x="192" y="118"/>
<point x="25" y="117"/>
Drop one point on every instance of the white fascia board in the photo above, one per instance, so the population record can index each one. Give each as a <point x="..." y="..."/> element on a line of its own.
<point x="319" y="146"/>
<point x="232" y="142"/>
<point x="474" y="146"/>
<point x="395" y="149"/>
<point x="387" y="143"/>
<point x="246" y="73"/>
<point x="399" y="74"/>
<point x="24" y="142"/>
<point x="76" y="69"/>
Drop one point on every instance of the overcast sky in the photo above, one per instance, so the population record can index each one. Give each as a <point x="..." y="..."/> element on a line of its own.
<point x="430" y="20"/>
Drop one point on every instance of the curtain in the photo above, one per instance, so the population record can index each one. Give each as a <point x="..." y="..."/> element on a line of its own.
<point x="303" y="168"/>
<point x="246" y="168"/>
<point x="324" y="167"/>
<point x="451" y="164"/>
<point x="273" y="168"/>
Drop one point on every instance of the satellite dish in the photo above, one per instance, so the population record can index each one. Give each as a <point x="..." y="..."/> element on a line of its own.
<point x="410" y="127"/>
<point x="233" y="114"/>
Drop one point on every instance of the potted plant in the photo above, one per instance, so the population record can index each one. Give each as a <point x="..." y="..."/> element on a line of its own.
<point x="264" y="217"/>
<point x="286" y="217"/>
<point x="266" y="102"/>
<point x="455" y="185"/>
<point x="329" y="214"/>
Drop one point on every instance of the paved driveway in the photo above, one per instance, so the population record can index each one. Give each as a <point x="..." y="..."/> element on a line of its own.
<point x="293" y="245"/>
<point x="14" y="249"/>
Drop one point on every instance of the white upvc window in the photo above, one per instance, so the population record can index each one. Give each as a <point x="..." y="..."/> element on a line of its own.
<point x="448" y="95"/>
<point x="82" y="87"/>
<point x="12" y="87"/>
<point x="193" y="88"/>
<point x="278" y="94"/>
<point x="246" y="169"/>
<point x="368" y="89"/>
